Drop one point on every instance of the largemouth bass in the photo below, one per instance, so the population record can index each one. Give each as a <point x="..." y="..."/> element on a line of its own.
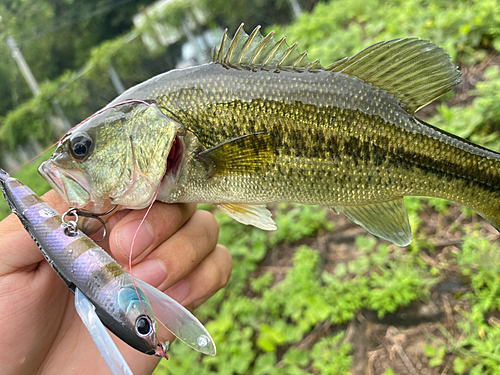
<point x="262" y="124"/>
<point x="130" y="312"/>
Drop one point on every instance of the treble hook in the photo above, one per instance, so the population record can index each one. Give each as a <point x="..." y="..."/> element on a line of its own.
<point x="71" y="228"/>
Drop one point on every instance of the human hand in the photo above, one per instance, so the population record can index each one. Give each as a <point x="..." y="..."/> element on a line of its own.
<point x="176" y="251"/>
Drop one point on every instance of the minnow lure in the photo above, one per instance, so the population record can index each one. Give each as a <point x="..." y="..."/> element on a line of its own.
<point x="104" y="292"/>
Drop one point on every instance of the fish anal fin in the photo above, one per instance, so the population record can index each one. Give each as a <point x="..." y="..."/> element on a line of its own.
<point x="415" y="71"/>
<point x="246" y="154"/>
<point x="387" y="220"/>
<point x="250" y="214"/>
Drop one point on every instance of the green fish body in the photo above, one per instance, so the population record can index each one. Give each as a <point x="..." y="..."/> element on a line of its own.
<point x="262" y="124"/>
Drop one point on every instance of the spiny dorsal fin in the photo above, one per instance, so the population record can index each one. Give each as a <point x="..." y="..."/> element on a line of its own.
<point x="256" y="50"/>
<point x="413" y="70"/>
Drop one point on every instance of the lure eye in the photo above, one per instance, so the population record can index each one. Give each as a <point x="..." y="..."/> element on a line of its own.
<point x="80" y="146"/>
<point x="142" y="326"/>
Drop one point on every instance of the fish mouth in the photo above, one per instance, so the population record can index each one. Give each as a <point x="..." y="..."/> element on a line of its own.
<point x="71" y="186"/>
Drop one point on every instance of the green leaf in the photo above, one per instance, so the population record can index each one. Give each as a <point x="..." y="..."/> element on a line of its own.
<point x="459" y="365"/>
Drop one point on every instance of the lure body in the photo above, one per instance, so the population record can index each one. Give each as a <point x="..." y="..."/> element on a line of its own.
<point x="85" y="266"/>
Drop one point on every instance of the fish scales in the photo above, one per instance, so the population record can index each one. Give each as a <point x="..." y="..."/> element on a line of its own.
<point x="332" y="132"/>
<point x="261" y="124"/>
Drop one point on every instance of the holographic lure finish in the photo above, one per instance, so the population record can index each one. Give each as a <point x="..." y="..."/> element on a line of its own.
<point x="83" y="265"/>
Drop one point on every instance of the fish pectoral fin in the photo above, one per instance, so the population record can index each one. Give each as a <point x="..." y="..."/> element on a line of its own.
<point x="250" y="214"/>
<point x="100" y="335"/>
<point x="387" y="220"/>
<point x="246" y="154"/>
<point x="413" y="70"/>
<point x="178" y="320"/>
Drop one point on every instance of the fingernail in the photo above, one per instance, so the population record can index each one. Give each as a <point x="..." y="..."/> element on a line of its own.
<point x="151" y="271"/>
<point x="143" y="240"/>
<point x="179" y="291"/>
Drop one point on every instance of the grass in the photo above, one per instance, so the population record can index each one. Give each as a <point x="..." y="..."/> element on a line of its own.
<point x="292" y="315"/>
<point x="322" y="296"/>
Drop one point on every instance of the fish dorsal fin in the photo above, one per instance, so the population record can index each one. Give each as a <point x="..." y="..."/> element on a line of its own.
<point x="415" y="71"/>
<point x="256" y="50"/>
<point x="387" y="220"/>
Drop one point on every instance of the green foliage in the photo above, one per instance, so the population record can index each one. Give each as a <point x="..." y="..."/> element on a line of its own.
<point x="261" y="321"/>
<point x="479" y="120"/>
<point x="331" y="356"/>
<point x="436" y="355"/>
<point x="253" y="322"/>
<point x="477" y="350"/>
<point x="340" y="28"/>
<point x="297" y="222"/>
<point x="55" y="36"/>
<point x="30" y="177"/>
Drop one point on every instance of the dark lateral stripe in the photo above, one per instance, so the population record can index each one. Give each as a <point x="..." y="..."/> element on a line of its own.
<point x="31" y="200"/>
<point x="79" y="247"/>
<point x="104" y="275"/>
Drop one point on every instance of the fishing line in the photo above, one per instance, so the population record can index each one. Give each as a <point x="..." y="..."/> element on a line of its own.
<point x="163" y="351"/>
<point x="76" y="126"/>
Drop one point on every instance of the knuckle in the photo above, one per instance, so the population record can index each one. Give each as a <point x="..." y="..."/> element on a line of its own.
<point x="225" y="266"/>
<point x="208" y="226"/>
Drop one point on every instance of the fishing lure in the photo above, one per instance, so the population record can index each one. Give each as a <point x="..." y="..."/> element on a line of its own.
<point x="104" y="293"/>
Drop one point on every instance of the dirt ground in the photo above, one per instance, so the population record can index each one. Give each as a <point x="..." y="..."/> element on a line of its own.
<point x="398" y="340"/>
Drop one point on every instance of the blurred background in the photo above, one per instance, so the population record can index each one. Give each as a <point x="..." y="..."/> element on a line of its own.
<point x="320" y="295"/>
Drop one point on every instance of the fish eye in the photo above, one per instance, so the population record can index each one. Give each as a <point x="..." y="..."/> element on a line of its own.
<point x="80" y="146"/>
<point x="142" y="326"/>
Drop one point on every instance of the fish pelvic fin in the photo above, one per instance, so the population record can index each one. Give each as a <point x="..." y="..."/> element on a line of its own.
<point x="250" y="214"/>
<point x="387" y="220"/>
<point x="256" y="50"/>
<point x="413" y="70"/>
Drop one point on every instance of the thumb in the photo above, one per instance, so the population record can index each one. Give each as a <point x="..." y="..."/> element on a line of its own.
<point x="17" y="250"/>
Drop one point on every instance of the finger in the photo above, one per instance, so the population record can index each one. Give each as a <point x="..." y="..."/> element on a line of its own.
<point x="181" y="253"/>
<point x="162" y="221"/>
<point x="18" y="249"/>
<point x="205" y="280"/>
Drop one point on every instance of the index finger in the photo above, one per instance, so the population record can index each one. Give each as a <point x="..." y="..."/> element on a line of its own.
<point x="162" y="221"/>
